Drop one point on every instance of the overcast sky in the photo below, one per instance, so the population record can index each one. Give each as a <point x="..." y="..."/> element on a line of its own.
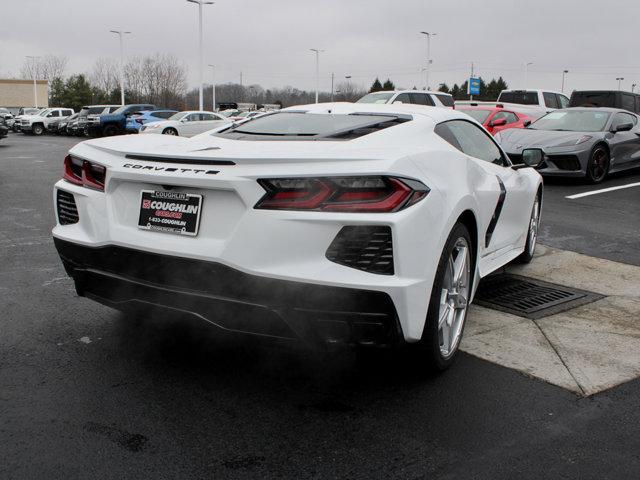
<point x="269" y="40"/>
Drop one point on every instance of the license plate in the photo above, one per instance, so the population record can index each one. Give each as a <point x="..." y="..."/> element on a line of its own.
<point x="170" y="212"/>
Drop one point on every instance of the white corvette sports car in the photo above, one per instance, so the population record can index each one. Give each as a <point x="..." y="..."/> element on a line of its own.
<point x="337" y="223"/>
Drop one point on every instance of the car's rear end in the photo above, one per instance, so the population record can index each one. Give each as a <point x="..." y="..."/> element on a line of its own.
<point x="293" y="240"/>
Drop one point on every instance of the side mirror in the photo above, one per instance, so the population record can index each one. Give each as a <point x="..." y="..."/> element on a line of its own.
<point x="532" y="157"/>
<point x="498" y="122"/>
<point x="526" y="123"/>
<point x="623" y="127"/>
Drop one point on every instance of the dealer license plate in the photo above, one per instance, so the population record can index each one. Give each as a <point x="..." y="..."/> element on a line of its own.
<point x="171" y="212"/>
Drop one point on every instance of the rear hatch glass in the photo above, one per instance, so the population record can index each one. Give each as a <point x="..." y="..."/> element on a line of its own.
<point x="519" y="97"/>
<point x="593" y="99"/>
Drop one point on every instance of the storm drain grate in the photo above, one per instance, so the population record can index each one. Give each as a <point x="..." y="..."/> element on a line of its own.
<point x="529" y="298"/>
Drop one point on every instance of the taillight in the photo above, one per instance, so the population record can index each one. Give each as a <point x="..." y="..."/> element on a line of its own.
<point x="373" y="194"/>
<point x="139" y="120"/>
<point x="84" y="172"/>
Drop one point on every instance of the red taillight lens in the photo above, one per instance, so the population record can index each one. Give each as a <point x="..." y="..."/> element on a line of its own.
<point x="341" y="194"/>
<point x="139" y="120"/>
<point x="85" y="173"/>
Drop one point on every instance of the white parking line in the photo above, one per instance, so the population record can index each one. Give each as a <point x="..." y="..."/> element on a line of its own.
<point x="602" y="190"/>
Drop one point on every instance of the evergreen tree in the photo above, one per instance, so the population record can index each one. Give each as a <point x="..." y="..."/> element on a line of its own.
<point x="376" y="87"/>
<point x="56" y="92"/>
<point x="444" y="88"/>
<point x="388" y="85"/>
<point x="455" y="91"/>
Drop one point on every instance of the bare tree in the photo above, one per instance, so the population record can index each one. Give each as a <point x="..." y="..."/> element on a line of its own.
<point x="349" y="92"/>
<point x="47" y="67"/>
<point x="105" y="74"/>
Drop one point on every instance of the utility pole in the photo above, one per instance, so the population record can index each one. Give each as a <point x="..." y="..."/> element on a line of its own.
<point x="200" y="3"/>
<point x="526" y="73"/>
<point x="620" y="79"/>
<point x="633" y="87"/>
<point x="564" y="72"/>
<point x="34" y="74"/>
<point x="429" y="35"/>
<point x="332" y="79"/>
<point x="121" y="34"/>
<point x="213" y="87"/>
<point x="317" y="52"/>
<point x="240" y="78"/>
<point x="469" y="83"/>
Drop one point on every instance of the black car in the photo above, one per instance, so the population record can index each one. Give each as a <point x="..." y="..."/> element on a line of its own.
<point x="3" y="127"/>
<point x="606" y="98"/>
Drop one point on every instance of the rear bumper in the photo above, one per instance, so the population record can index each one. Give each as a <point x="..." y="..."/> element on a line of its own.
<point x="320" y="315"/>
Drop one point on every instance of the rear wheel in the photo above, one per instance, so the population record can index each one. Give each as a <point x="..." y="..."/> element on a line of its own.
<point x="532" y="233"/>
<point x="170" y="131"/>
<point x="109" y="131"/>
<point x="598" y="165"/>
<point x="37" y="129"/>
<point x="449" y="300"/>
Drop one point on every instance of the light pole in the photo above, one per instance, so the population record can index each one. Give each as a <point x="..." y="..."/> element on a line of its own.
<point x="201" y="63"/>
<point x="619" y="79"/>
<point x="429" y="35"/>
<point x="526" y="73"/>
<point x="317" y="52"/>
<point x="633" y="87"/>
<point x="120" y="34"/>
<point x="564" y="72"/>
<point x="213" y="87"/>
<point x="34" y="74"/>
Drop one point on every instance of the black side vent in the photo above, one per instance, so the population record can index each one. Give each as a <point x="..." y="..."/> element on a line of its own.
<point x="367" y="248"/>
<point x="66" y="207"/>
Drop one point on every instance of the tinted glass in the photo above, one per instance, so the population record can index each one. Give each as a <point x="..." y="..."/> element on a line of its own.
<point x="447" y="100"/>
<point x="55" y="113"/>
<point x="193" y="117"/>
<point x="572" y="121"/>
<point x="403" y="97"/>
<point x="479" y="116"/>
<point x="519" y="97"/>
<point x="622" y="118"/>
<point x="593" y="99"/>
<point x="421" y="99"/>
<point x="508" y="116"/>
<point x="474" y="141"/>
<point x="563" y="101"/>
<point x="628" y="102"/>
<point x="381" y="97"/>
<point x="208" y="117"/>
<point x="550" y="100"/>
<point x="307" y="124"/>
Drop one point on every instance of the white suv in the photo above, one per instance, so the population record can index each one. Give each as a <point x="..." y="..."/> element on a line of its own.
<point x="544" y="99"/>
<point x="417" y="97"/>
<point x="38" y="124"/>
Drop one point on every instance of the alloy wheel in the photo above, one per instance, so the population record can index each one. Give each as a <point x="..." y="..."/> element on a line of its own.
<point x="598" y="165"/>
<point x="454" y="298"/>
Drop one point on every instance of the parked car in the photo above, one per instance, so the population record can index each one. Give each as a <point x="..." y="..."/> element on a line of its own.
<point x="606" y="98"/>
<point x="7" y="116"/>
<point x="90" y="115"/>
<point x="496" y="118"/>
<point x="335" y="224"/>
<point x="186" y="124"/>
<point x="38" y="124"/>
<point x="541" y="99"/>
<point x="138" y="119"/>
<point x="24" y="111"/>
<point x="63" y="125"/>
<point x="579" y="142"/>
<point x="115" y="123"/>
<point x="4" y="129"/>
<point x="417" y="97"/>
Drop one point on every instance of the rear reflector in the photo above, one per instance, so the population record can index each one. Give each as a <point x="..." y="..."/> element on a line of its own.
<point x="373" y="194"/>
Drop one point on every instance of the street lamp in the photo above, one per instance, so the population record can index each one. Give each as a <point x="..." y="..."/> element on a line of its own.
<point x="201" y="63"/>
<point x="564" y="72"/>
<point x="34" y="74"/>
<point x="619" y="79"/>
<point x="213" y="87"/>
<point x="429" y="61"/>
<point x="120" y="34"/>
<point x="317" y="52"/>
<point x="526" y="73"/>
<point x="633" y="87"/>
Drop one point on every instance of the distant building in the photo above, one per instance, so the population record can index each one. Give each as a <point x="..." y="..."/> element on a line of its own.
<point x="16" y="93"/>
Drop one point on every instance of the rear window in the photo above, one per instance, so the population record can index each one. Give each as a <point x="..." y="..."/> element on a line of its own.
<point x="593" y="99"/>
<point x="519" y="97"/>
<point x="382" y="97"/>
<point x="479" y="116"/>
<point x="310" y="126"/>
<point x="447" y="100"/>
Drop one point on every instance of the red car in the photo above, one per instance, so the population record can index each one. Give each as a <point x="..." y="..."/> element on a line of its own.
<point x="495" y="118"/>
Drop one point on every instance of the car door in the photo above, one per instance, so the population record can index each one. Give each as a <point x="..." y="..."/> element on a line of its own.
<point x="188" y="125"/>
<point x="624" y="146"/>
<point x="209" y="121"/>
<point x="510" y="192"/>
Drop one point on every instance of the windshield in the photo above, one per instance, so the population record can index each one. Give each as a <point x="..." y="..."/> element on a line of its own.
<point x="228" y="113"/>
<point x="376" y="97"/>
<point x="478" y="115"/>
<point x="44" y="113"/>
<point x="572" y="121"/>
<point x="519" y="97"/>
<point x="178" y="116"/>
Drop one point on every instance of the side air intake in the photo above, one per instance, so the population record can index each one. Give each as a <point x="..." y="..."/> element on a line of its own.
<point x="367" y="248"/>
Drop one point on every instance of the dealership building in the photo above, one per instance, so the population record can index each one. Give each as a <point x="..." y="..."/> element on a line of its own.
<point x="16" y="93"/>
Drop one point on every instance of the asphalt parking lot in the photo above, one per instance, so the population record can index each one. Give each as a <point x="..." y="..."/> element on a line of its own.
<point x="87" y="393"/>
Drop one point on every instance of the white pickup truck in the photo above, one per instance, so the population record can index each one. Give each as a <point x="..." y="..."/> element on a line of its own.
<point x="38" y="124"/>
<point x="534" y="99"/>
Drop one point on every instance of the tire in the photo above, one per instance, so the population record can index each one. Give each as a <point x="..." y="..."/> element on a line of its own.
<point x="170" y="131"/>
<point x="449" y="301"/>
<point x="37" y="129"/>
<point x="110" y="131"/>
<point x="532" y="233"/>
<point x="598" y="165"/>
